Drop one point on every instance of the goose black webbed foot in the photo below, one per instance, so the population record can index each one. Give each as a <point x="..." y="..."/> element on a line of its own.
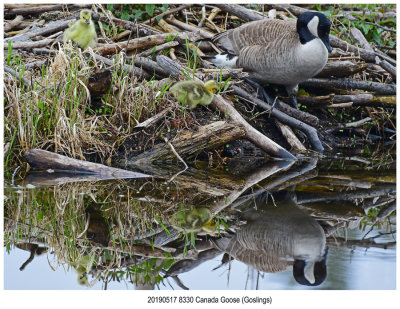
<point x="293" y="100"/>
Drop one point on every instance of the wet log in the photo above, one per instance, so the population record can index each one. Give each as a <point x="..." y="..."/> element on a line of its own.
<point x="239" y="11"/>
<point x="381" y="190"/>
<point x="341" y="69"/>
<point x="187" y="144"/>
<point x="310" y="131"/>
<point x="386" y="66"/>
<point x="289" y="135"/>
<point x="42" y="159"/>
<point x="348" y="84"/>
<point x="387" y="210"/>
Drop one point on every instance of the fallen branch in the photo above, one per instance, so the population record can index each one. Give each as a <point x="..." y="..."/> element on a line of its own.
<point x="362" y="99"/>
<point x="239" y="11"/>
<point x="168" y="12"/>
<point x="348" y="83"/>
<point x="188" y="144"/>
<point x="8" y="26"/>
<point x="341" y="69"/>
<point x="41" y="9"/>
<point x="294" y="123"/>
<point x="145" y="42"/>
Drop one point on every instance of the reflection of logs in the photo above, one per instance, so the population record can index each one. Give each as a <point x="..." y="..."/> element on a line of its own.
<point x="382" y="189"/>
<point x="362" y="243"/>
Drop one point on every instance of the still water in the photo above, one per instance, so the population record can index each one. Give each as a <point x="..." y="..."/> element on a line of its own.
<point x="316" y="224"/>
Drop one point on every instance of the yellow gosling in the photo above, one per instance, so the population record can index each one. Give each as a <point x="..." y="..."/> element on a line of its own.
<point x="192" y="93"/>
<point x="82" y="32"/>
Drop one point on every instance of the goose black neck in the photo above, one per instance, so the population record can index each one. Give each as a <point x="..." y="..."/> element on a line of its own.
<point x="304" y="33"/>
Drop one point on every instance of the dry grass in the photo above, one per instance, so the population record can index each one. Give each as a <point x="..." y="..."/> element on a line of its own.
<point x="57" y="114"/>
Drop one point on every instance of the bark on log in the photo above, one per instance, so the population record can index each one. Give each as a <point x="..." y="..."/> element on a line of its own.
<point x="366" y="55"/>
<point x="187" y="144"/>
<point x="30" y="45"/>
<point x="158" y="48"/>
<point x="41" y="9"/>
<point x="358" y="37"/>
<point x="362" y="99"/>
<point x="43" y="159"/>
<point x="168" y="12"/>
<point x="290" y="137"/>
<point x="150" y="66"/>
<point x="348" y="83"/>
<point x="187" y="27"/>
<point x="8" y="26"/>
<point x="341" y="69"/>
<point x="239" y="11"/>
<point x="145" y="42"/>
<point x="134" y="71"/>
<point x="310" y="131"/>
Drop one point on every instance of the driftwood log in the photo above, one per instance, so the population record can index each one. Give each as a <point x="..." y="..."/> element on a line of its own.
<point x="53" y="162"/>
<point x="187" y="144"/>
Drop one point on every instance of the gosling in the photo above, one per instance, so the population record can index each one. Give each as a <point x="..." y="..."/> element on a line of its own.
<point x="192" y="93"/>
<point x="283" y="52"/>
<point x="82" y="32"/>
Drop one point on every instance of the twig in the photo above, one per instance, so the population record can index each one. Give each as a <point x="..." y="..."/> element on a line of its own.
<point x="168" y="12"/>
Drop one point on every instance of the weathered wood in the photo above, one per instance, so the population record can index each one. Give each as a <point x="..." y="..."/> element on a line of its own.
<point x="145" y="42"/>
<point x="8" y="26"/>
<point x="168" y="12"/>
<point x="134" y="71"/>
<point x="203" y="33"/>
<point x="358" y="37"/>
<point x="158" y="48"/>
<point x="239" y="11"/>
<point x="348" y="83"/>
<point x="152" y="120"/>
<point x="386" y="66"/>
<point x="293" y="9"/>
<point x="30" y="45"/>
<point x="294" y="123"/>
<point x="41" y="9"/>
<point x="341" y="69"/>
<point x="188" y="143"/>
<point x="366" y="55"/>
<point x="18" y="76"/>
<point x="43" y="159"/>
<point x="289" y="135"/>
<point x="362" y="99"/>
<point x="150" y="66"/>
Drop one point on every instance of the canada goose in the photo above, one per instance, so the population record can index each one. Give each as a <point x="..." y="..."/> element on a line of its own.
<point x="82" y="32"/>
<point x="283" y="52"/>
<point x="277" y="237"/>
<point x="192" y="93"/>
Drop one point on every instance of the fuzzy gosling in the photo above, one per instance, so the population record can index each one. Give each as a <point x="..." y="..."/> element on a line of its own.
<point x="191" y="92"/>
<point x="82" y="32"/>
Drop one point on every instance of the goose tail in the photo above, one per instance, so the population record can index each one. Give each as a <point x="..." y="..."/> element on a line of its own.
<point x="223" y="60"/>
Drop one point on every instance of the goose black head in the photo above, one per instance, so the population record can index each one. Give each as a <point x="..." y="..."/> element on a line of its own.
<point x="310" y="273"/>
<point x="311" y="25"/>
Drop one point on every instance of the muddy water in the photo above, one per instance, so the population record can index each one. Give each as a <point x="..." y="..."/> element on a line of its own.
<point x="320" y="223"/>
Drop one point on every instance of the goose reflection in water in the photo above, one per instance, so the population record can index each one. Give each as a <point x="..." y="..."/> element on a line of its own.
<point x="277" y="236"/>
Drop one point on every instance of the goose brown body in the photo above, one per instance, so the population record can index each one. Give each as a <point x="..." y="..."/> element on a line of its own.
<point x="270" y="50"/>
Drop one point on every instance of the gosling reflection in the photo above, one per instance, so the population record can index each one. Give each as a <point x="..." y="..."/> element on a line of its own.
<point x="277" y="236"/>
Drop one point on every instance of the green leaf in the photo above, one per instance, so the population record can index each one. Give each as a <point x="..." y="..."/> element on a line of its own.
<point x="150" y="9"/>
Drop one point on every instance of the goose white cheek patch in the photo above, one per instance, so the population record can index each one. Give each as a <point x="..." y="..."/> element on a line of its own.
<point x="313" y="25"/>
